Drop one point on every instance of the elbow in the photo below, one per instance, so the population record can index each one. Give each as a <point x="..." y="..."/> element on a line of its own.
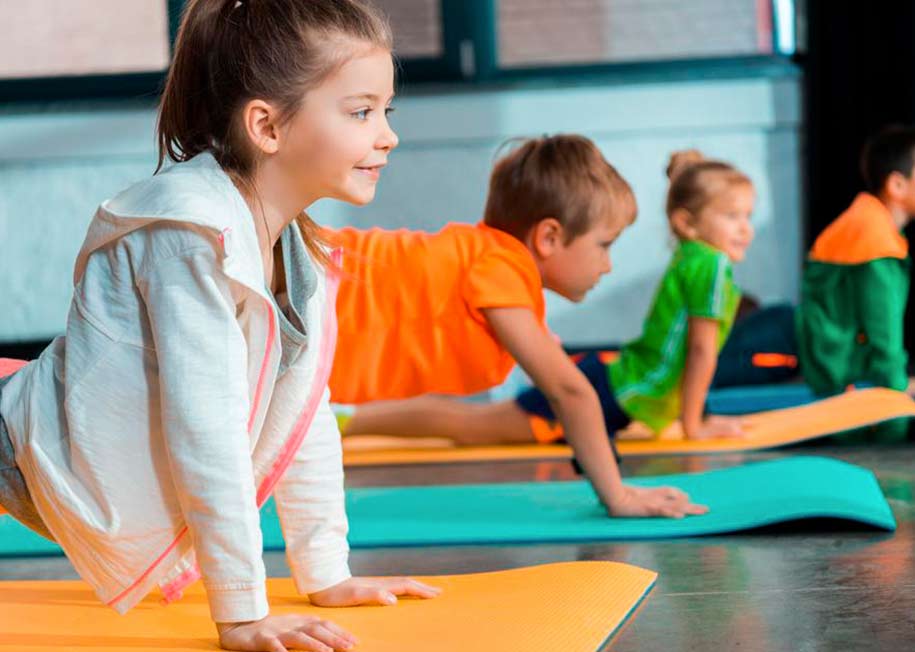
<point x="701" y="351"/>
<point x="571" y="395"/>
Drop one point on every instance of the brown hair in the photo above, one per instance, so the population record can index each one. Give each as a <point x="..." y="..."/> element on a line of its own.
<point x="229" y="52"/>
<point x="695" y="180"/>
<point x="564" y="177"/>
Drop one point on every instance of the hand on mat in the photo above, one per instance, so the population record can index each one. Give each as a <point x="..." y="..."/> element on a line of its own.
<point x="282" y="633"/>
<point x="371" y="590"/>
<point x="669" y="502"/>
<point x="720" y="427"/>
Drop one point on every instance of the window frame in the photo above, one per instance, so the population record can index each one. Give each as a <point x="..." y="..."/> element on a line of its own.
<point x="469" y="58"/>
<point x="134" y="85"/>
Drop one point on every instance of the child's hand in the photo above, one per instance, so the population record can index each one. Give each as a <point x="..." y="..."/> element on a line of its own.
<point x="371" y="590"/>
<point x="669" y="502"/>
<point x="719" y="427"/>
<point x="281" y="633"/>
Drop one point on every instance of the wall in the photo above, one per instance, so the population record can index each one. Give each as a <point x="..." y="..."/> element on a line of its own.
<point x="57" y="165"/>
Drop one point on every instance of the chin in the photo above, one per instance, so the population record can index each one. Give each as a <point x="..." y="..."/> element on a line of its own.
<point x="357" y="198"/>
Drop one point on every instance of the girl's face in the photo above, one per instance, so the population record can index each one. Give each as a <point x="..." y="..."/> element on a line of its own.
<point x="337" y="143"/>
<point x="725" y="223"/>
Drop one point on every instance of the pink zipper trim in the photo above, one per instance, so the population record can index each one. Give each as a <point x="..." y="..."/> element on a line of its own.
<point x="149" y="570"/>
<point x="174" y="587"/>
<point x="174" y="590"/>
<point x="322" y="375"/>
<point x="271" y="335"/>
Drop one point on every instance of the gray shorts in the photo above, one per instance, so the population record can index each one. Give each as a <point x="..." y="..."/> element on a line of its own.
<point x="14" y="494"/>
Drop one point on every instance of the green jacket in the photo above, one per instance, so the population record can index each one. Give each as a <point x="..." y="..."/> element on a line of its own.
<point x="850" y="324"/>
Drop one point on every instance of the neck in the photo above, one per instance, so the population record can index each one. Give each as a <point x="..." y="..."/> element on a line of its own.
<point x="900" y="215"/>
<point x="274" y="206"/>
<point x="275" y="202"/>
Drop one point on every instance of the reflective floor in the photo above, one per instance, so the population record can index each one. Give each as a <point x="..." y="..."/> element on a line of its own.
<point x="820" y="586"/>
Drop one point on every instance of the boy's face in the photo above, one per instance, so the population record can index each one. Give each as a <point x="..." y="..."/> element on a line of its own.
<point x="904" y="193"/>
<point x="576" y="267"/>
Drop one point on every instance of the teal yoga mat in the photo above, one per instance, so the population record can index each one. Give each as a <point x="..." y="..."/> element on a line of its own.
<point x="740" y="498"/>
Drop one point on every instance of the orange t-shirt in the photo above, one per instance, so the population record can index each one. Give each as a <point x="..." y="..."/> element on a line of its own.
<point x="409" y="310"/>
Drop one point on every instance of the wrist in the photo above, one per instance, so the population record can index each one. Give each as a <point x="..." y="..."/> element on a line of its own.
<point x="691" y="425"/>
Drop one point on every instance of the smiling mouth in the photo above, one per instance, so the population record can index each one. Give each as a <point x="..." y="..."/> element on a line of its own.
<point x="371" y="168"/>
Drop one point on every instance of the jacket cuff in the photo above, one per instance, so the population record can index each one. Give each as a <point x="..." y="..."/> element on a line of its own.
<point x="318" y="574"/>
<point x="236" y="605"/>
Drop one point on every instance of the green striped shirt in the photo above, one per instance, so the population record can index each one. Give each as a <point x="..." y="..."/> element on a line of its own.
<point x="646" y="378"/>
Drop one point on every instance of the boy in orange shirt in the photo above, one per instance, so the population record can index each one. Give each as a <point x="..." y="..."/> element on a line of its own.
<point x="450" y="312"/>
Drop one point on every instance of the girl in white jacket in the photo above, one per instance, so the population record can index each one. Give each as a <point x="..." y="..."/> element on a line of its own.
<point x="191" y="382"/>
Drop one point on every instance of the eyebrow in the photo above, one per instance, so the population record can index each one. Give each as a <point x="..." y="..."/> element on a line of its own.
<point x="367" y="96"/>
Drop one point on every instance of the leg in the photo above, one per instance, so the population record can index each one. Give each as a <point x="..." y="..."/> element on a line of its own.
<point x="468" y="424"/>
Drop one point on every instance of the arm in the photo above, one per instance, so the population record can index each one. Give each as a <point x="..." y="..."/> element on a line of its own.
<point x="701" y="359"/>
<point x="576" y="405"/>
<point x="310" y="503"/>
<point x="201" y="356"/>
<point x="202" y="360"/>
<point x="882" y="296"/>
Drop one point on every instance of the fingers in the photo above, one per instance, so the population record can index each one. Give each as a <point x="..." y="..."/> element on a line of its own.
<point x="335" y="629"/>
<point x="330" y="635"/>
<point x="409" y="586"/>
<point x="674" y="503"/>
<point x="373" y="595"/>
<point x="272" y="644"/>
<point x="302" y="641"/>
<point x="696" y="510"/>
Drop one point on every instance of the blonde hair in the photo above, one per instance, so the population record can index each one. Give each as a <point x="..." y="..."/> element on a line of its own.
<point x="696" y="180"/>
<point x="564" y="177"/>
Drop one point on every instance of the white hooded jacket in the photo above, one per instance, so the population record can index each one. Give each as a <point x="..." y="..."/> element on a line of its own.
<point x="150" y="433"/>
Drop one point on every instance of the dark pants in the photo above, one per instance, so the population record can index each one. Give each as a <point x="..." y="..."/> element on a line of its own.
<point x="534" y="402"/>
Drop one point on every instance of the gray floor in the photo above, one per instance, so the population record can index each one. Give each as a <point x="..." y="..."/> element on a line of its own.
<point x="824" y="586"/>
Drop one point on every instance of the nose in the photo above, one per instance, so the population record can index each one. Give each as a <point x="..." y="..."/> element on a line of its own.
<point x="388" y="139"/>
<point x="608" y="265"/>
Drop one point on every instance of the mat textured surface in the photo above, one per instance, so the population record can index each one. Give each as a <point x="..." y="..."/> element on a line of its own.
<point x="572" y="606"/>
<point x="740" y="498"/>
<point x="770" y="429"/>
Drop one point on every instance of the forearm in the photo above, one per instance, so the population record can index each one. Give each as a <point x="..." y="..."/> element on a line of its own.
<point x="697" y="378"/>
<point x="310" y="502"/>
<point x="580" y="413"/>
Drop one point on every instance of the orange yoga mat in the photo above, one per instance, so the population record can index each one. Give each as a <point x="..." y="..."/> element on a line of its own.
<point x="772" y="429"/>
<point x="571" y="606"/>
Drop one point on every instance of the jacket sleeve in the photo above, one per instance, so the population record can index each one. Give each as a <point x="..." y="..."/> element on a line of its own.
<point x="311" y="506"/>
<point x="202" y="360"/>
<point x="882" y="291"/>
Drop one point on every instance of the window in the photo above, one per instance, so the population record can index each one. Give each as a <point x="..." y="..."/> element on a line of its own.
<point x="66" y="49"/>
<point x="55" y="38"/>
<point x="542" y="32"/>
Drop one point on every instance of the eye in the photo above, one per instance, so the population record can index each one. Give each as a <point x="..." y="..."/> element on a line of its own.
<point x="362" y="114"/>
<point x="389" y="110"/>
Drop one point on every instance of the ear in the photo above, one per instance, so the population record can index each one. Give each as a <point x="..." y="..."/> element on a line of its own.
<point x="546" y="237"/>
<point x="895" y="185"/>
<point x="259" y="119"/>
<point x="681" y="221"/>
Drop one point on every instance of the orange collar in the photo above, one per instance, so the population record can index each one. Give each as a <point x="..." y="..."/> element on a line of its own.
<point x="864" y="232"/>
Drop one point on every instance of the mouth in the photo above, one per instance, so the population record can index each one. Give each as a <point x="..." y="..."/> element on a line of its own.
<point x="373" y="172"/>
